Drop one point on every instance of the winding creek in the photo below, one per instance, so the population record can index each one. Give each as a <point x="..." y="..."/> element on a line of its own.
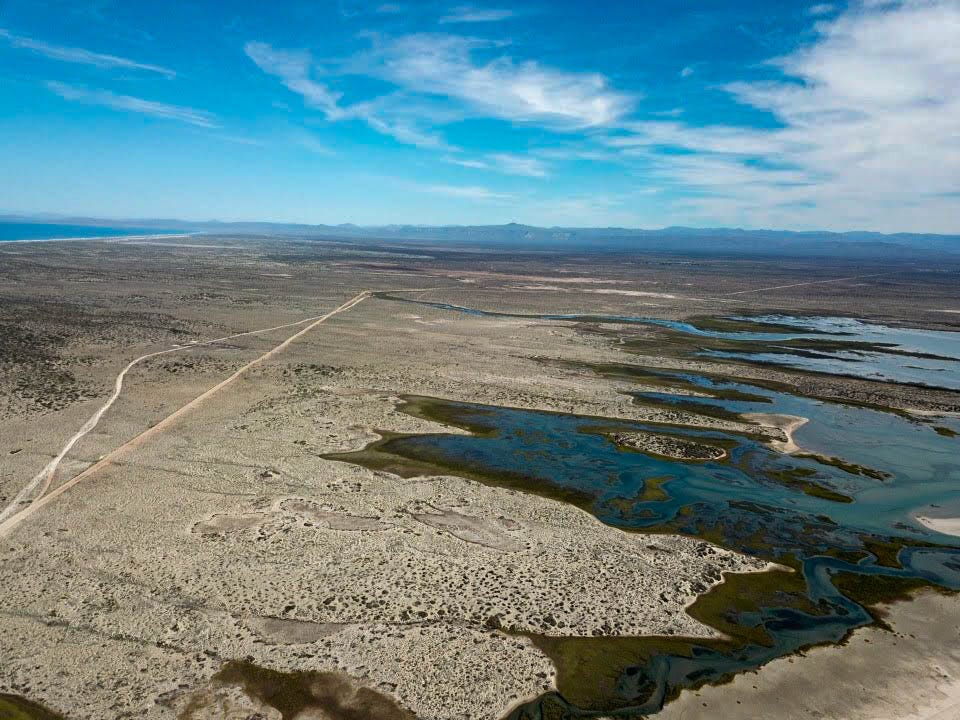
<point x="841" y="513"/>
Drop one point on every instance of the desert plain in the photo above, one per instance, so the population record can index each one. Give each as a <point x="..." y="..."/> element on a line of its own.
<point x="197" y="553"/>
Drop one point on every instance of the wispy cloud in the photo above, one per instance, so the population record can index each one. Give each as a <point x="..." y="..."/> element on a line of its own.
<point x="424" y="67"/>
<point x="128" y="103"/>
<point x="402" y="130"/>
<point x="820" y="9"/>
<point x="526" y="91"/>
<point x="505" y="163"/>
<point x="865" y="129"/>
<point x="293" y="68"/>
<point x="80" y="56"/>
<point x="241" y="140"/>
<point x="701" y="138"/>
<point x="518" y="165"/>
<point x="466" y="192"/>
<point x="471" y="14"/>
<point x="467" y="162"/>
<point x="861" y="124"/>
<point x="311" y="144"/>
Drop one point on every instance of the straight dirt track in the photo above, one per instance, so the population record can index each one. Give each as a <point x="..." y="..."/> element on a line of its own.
<point x="46" y="475"/>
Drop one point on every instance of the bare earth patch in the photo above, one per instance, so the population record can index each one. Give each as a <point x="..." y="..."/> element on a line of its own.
<point x="331" y="519"/>
<point x="491" y="534"/>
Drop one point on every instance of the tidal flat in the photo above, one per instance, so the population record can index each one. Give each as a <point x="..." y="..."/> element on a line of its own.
<point x="849" y="550"/>
<point x="424" y="509"/>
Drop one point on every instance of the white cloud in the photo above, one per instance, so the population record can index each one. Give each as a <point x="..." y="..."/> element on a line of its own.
<point x="471" y="14"/>
<point x="505" y="163"/>
<point x="820" y="9"/>
<point x="294" y="68"/>
<point x="386" y="115"/>
<point x="81" y="56"/>
<point x="466" y="192"/>
<point x="430" y="71"/>
<point x="727" y="175"/>
<point x="437" y="64"/>
<point x="711" y="138"/>
<point x="672" y="112"/>
<point x="866" y="134"/>
<point x="467" y="163"/>
<point x="687" y="71"/>
<point x="862" y="128"/>
<point x="518" y="165"/>
<point x="128" y="103"/>
<point x="404" y="132"/>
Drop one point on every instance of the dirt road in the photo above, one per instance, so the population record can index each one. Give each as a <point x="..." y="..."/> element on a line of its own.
<point x="23" y="506"/>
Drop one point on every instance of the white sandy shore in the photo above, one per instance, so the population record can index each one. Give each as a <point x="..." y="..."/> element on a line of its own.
<point x="788" y="423"/>
<point x="103" y="237"/>
<point x="945" y="525"/>
<point x="932" y="413"/>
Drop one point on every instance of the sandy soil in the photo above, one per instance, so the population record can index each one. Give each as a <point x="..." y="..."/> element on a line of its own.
<point x="945" y="525"/>
<point x="912" y="673"/>
<point x="221" y="533"/>
<point x="185" y="548"/>
<point x="789" y="424"/>
<point x="38" y="486"/>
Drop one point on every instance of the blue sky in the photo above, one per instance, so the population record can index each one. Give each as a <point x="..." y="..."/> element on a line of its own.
<point x="784" y="114"/>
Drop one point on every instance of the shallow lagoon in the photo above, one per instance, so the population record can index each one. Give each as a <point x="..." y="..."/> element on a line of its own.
<point x="904" y="355"/>
<point x="842" y="516"/>
<point x="923" y="464"/>
<point x="757" y="501"/>
<point x="879" y="352"/>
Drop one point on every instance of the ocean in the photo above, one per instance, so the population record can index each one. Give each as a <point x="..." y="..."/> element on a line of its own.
<point x="50" y="231"/>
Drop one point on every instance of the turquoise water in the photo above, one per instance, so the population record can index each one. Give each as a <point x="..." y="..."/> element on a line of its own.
<point x="563" y="451"/>
<point x="934" y="373"/>
<point x="742" y="500"/>
<point x="758" y="501"/>
<point x="878" y="352"/>
<point x="52" y="231"/>
<point x="908" y="355"/>
<point x="924" y="466"/>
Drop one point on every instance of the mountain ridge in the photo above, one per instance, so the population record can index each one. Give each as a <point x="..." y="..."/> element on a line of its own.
<point x="674" y="238"/>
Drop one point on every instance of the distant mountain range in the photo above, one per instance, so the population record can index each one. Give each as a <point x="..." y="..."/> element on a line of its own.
<point x="672" y="239"/>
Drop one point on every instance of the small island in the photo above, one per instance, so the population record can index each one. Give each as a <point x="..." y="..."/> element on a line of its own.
<point x="668" y="446"/>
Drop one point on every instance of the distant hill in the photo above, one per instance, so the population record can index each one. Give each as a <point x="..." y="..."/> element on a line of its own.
<point x="612" y="239"/>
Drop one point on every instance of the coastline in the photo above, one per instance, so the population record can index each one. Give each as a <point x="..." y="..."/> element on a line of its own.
<point x="944" y="525"/>
<point x="789" y="424"/>
<point x="102" y="237"/>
